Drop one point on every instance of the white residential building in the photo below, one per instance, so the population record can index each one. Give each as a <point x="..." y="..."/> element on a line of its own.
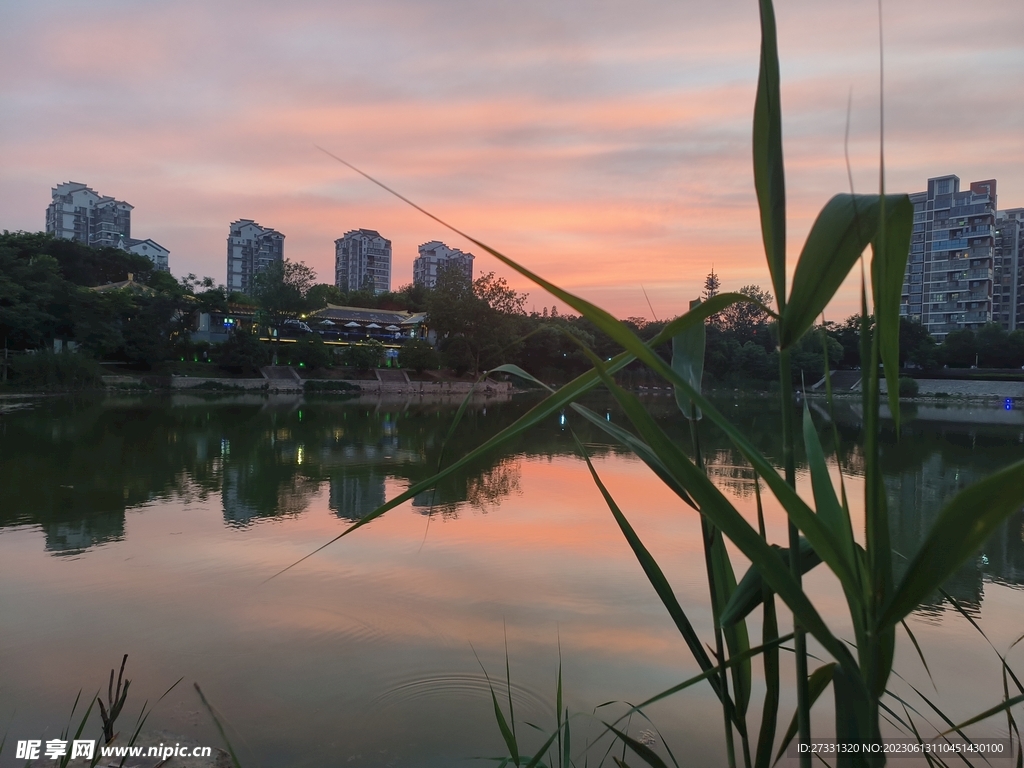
<point x="362" y="260"/>
<point x="436" y="256"/>
<point x="251" y="248"/>
<point x="949" y="279"/>
<point x="80" y="213"/>
<point x="151" y="249"/>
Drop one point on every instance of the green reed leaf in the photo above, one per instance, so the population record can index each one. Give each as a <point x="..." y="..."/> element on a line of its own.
<point x="642" y="751"/>
<point x="769" y="172"/>
<point x="1000" y="707"/>
<point x="829" y="509"/>
<point x="736" y="637"/>
<point x="724" y="515"/>
<point x="843" y="229"/>
<point x="654" y="574"/>
<point x="750" y="592"/>
<point x="688" y="361"/>
<point x="817" y="682"/>
<point x="960" y="530"/>
<point x="888" y="268"/>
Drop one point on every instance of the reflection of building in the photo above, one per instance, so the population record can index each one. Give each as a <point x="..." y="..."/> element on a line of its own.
<point x="237" y="509"/>
<point x="72" y="538"/>
<point x="79" y="213"/>
<point x="356" y="492"/>
<point x="362" y="261"/>
<point x="435" y="257"/>
<point x="251" y="249"/>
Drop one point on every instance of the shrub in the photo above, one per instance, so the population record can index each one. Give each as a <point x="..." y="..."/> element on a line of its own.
<point x="60" y="371"/>
<point x="311" y="352"/>
<point x="908" y="387"/>
<point x="363" y="357"/>
<point x="458" y="355"/>
<point x="242" y="352"/>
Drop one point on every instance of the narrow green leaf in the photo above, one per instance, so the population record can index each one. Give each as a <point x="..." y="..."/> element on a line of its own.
<point x="957" y="534"/>
<point x="719" y="511"/>
<point x="688" y="362"/>
<point x="816" y="685"/>
<point x="220" y="728"/>
<point x="638" y="447"/>
<point x="642" y="751"/>
<point x="888" y="268"/>
<point x="769" y="173"/>
<point x="843" y="229"/>
<point x="1000" y="707"/>
<point x="750" y="592"/>
<point x="737" y="639"/>
<point x="826" y="502"/>
<point x="559" y="399"/>
<point x="654" y="574"/>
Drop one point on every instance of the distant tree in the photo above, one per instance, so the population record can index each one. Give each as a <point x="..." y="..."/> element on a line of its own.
<point x="280" y="292"/>
<point x="746" y="321"/>
<point x="993" y="346"/>
<point x="959" y="349"/>
<point x="712" y="285"/>
<point x="916" y="345"/>
<point x="322" y="294"/>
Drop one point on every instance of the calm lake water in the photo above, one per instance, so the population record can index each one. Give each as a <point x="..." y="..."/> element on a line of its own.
<point x="150" y="526"/>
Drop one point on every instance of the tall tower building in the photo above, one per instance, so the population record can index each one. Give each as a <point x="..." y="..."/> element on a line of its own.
<point x="79" y="213"/>
<point x="362" y="260"/>
<point x="949" y="281"/>
<point x="251" y="248"/>
<point x="1008" y="274"/>
<point x="435" y="256"/>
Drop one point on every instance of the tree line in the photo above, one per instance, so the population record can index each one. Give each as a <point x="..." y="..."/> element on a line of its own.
<point x="46" y="294"/>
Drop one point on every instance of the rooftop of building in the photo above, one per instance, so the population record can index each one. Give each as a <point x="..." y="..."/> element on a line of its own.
<point x="362" y="315"/>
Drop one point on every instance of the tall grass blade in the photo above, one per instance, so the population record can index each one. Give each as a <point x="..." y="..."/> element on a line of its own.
<point x="816" y="685"/>
<point x="960" y="530"/>
<point x="220" y="727"/>
<point x="888" y="267"/>
<point x="769" y="173"/>
<point x="826" y="502"/>
<point x="920" y="653"/>
<point x="642" y="751"/>
<point x="688" y="361"/>
<point x="844" y="228"/>
<point x="770" y="658"/>
<point x="750" y="592"/>
<point x="1000" y="707"/>
<point x="655" y="576"/>
<point x="717" y="508"/>
<point x="555" y="403"/>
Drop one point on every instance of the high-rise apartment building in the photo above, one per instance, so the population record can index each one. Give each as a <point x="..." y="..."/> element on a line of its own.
<point x="80" y="213"/>
<point x="1008" y="273"/>
<point x="436" y="256"/>
<point x="151" y="249"/>
<point x="251" y="249"/>
<point x="949" y="279"/>
<point x="362" y="260"/>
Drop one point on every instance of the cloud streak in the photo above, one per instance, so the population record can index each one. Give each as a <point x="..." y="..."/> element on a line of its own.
<point x="604" y="145"/>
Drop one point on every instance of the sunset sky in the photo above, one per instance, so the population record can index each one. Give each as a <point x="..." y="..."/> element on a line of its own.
<point x="604" y="144"/>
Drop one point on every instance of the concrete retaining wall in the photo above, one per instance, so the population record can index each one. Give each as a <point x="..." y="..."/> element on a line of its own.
<point x="431" y="387"/>
<point x="961" y="388"/>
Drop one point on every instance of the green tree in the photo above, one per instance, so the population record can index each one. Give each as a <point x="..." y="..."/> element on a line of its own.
<point x="959" y="349"/>
<point x="322" y="294"/>
<point x="280" y="293"/>
<point x="916" y="345"/>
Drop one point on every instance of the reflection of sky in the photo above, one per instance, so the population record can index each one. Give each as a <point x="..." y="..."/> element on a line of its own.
<point x="568" y="134"/>
<point x="366" y="646"/>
